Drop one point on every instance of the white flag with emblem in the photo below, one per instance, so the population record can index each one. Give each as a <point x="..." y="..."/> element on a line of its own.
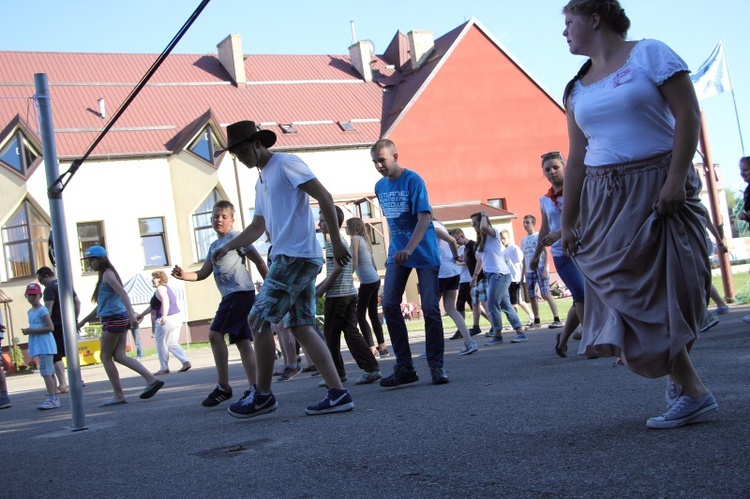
<point x="712" y="77"/>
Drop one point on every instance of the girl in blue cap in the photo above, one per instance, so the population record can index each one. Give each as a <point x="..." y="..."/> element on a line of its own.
<point x="117" y="316"/>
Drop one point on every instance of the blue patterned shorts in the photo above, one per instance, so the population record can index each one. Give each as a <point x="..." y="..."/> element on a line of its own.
<point x="479" y="292"/>
<point x="288" y="293"/>
<point x="534" y="279"/>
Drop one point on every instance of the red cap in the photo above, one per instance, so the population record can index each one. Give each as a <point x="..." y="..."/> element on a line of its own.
<point x="33" y="289"/>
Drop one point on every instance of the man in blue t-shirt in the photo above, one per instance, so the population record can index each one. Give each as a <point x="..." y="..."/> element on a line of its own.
<point x="403" y="199"/>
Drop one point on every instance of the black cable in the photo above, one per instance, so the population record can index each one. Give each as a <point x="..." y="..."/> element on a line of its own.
<point x="61" y="181"/>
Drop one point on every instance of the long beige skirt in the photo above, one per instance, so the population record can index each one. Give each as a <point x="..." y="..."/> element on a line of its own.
<point x="647" y="277"/>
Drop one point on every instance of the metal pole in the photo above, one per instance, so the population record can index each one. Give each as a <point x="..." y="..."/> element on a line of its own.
<point x="59" y="235"/>
<point x="736" y="113"/>
<point x="713" y="201"/>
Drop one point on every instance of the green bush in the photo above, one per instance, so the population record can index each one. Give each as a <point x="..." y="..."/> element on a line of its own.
<point x="16" y="354"/>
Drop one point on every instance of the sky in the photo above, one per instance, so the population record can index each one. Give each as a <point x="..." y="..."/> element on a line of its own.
<point x="530" y="31"/>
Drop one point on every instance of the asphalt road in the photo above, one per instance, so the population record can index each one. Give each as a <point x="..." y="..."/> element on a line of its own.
<point x="515" y="421"/>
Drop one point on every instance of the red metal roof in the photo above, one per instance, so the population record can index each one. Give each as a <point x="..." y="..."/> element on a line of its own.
<point x="314" y="92"/>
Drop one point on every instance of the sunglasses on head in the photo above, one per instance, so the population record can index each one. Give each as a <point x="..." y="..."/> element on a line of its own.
<point x="552" y="154"/>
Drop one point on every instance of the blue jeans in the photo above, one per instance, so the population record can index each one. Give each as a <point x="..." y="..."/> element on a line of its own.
<point x="498" y="299"/>
<point x="137" y="340"/>
<point x="395" y="283"/>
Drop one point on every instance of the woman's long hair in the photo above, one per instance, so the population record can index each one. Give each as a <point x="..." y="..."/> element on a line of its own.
<point x="356" y="227"/>
<point x="481" y="236"/>
<point x="104" y="265"/>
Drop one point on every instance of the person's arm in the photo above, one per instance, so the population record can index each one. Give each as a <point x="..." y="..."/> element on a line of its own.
<point x="443" y="235"/>
<point x="484" y="225"/>
<point x="679" y="93"/>
<point x="326" y="283"/>
<point x="315" y="190"/>
<point x="545" y="268"/>
<point x="575" y="171"/>
<point x="112" y="282"/>
<point x="424" y="220"/>
<point x="355" y="254"/>
<point x="205" y="271"/>
<point x="477" y="270"/>
<point x="543" y="232"/>
<point x="247" y="237"/>
<point x="77" y="306"/>
<point x="713" y="230"/>
<point x="254" y="255"/>
<point x="143" y="314"/>
<point x="87" y="319"/>
<point x="47" y="328"/>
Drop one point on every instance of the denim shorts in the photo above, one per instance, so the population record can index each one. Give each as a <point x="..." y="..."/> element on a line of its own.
<point x="288" y="293"/>
<point x="46" y="366"/>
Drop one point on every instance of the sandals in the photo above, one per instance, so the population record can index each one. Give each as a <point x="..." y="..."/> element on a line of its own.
<point x="151" y="389"/>
<point x="560" y="351"/>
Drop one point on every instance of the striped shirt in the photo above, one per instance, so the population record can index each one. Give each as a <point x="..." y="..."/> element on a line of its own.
<point x="344" y="283"/>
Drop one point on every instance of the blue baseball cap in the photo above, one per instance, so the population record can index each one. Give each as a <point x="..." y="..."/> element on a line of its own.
<point x="96" y="252"/>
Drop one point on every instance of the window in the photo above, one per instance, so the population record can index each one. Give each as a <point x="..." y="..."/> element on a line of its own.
<point x="346" y="126"/>
<point x="498" y="203"/>
<point x="25" y="242"/>
<point x="153" y="242"/>
<point x="18" y="154"/>
<point x="89" y="234"/>
<point x="288" y="128"/>
<point x="375" y="231"/>
<point x="202" y="227"/>
<point x="205" y="145"/>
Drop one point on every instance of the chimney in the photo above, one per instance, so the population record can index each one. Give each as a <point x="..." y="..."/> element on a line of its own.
<point x="230" y="56"/>
<point x="361" y="55"/>
<point x="420" y="45"/>
<point x="102" y="109"/>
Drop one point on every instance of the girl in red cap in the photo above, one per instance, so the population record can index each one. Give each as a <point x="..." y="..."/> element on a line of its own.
<point x="42" y="343"/>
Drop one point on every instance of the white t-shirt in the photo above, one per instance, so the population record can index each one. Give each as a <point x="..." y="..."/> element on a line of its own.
<point x="554" y="220"/>
<point x="493" y="255"/>
<point x="230" y="273"/>
<point x="528" y="246"/>
<point x="448" y="266"/>
<point x="465" y="274"/>
<point x="513" y="257"/>
<point x="285" y="208"/>
<point x="624" y="116"/>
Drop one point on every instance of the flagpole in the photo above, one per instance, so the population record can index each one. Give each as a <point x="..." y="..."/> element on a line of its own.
<point x="710" y="176"/>
<point x="736" y="113"/>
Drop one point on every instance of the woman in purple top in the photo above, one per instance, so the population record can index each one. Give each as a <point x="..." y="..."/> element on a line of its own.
<point x="165" y="316"/>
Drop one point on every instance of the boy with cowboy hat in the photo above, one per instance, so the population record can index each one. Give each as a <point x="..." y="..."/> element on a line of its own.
<point x="282" y="208"/>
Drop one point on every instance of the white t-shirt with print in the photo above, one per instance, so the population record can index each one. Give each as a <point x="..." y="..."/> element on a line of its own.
<point x="286" y="208"/>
